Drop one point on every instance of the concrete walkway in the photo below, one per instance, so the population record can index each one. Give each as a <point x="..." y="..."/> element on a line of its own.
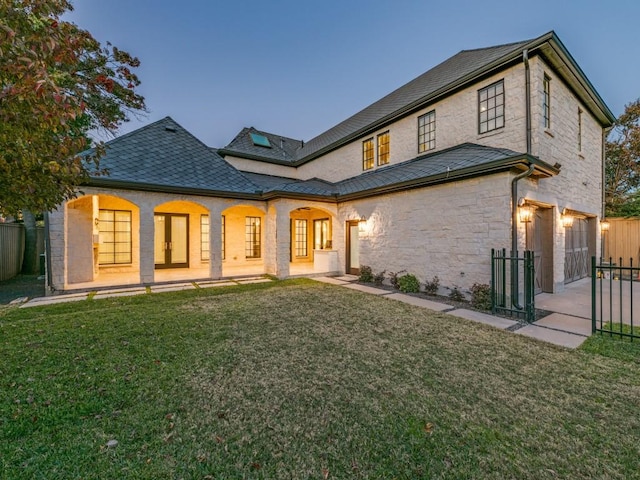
<point x="127" y="292"/>
<point x="569" y="325"/>
<point x="567" y="329"/>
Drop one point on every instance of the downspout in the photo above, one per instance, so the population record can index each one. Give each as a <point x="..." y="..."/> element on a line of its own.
<point x="514" y="184"/>
<point x="47" y="255"/>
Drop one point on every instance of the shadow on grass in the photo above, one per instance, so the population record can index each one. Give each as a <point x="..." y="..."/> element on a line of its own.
<point x="21" y="286"/>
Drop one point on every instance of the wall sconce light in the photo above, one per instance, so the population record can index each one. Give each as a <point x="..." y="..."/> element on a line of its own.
<point x="604" y="225"/>
<point x="567" y="219"/>
<point x="525" y="213"/>
<point x="362" y="224"/>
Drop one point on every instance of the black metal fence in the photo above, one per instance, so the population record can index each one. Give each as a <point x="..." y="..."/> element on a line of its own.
<point x="615" y="290"/>
<point x="512" y="284"/>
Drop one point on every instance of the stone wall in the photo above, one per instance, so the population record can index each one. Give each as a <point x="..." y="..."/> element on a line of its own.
<point x="445" y="230"/>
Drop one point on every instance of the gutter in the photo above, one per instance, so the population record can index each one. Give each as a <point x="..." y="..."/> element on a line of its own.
<point x="514" y="184"/>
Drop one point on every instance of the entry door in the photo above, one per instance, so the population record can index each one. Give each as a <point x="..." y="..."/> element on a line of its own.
<point x="577" y="246"/>
<point x="540" y="241"/>
<point x="353" y="247"/>
<point x="171" y="249"/>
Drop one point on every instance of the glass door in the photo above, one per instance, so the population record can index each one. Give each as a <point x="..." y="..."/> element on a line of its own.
<point x="353" y="247"/>
<point x="171" y="240"/>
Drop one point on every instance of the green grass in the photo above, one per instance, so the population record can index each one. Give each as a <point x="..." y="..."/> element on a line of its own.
<point x="614" y="346"/>
<point x="298" y="379"/>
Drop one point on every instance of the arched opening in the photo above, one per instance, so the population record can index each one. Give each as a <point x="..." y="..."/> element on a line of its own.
<point x="180" y="241"/>
<point x="103" y="241"/>
<point x="243" y="241"/>
<point x="312" y="244"/>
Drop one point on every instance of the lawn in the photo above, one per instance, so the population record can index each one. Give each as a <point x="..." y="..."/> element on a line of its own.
<point x="298" y="379"/>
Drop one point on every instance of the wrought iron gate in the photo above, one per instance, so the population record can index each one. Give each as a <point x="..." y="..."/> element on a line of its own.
<point x="513" y="284"/>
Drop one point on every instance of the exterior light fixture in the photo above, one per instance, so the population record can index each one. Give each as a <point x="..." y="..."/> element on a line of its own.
<point x="362" y="224"/>
<point x="604" y="225"/>
<point x="525" y="213"/>
<point x="567" y="219"/>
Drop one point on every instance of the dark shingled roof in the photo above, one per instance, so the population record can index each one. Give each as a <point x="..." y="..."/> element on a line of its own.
<point x="411" y="95"/>
<point x="283" y="149"/>
<point x="166" y="155"/>
<point x="430" y="166"/>
<point x="442" y="163"/>
<point x="417" y="90"/>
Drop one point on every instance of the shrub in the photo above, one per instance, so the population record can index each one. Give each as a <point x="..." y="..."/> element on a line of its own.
<point x="456" y="294"/>
<point x="481" y="296"/>
<point x="378" y="278"/>
<point x="408" y="284"/>
<point x="393" y="278"/>
<point x="431" y="287"/>
<point x="366" y="274"/>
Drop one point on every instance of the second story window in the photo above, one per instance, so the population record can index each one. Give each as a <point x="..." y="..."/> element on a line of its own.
<point x="427" y="131"/>
<point x="491" y="107"/>
<point x="546" y="101"/>
<point x="383" y="148"/>
<point x="367" y="154"/>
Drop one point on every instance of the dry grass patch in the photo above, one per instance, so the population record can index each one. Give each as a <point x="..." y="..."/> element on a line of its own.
<point x="305" y="380"/>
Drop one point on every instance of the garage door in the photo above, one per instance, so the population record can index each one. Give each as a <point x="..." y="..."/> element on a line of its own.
<point x="578" y="240"/>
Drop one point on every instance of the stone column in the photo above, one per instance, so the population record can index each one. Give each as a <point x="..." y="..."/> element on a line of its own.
<point x="278" y="239"/>
<point x="147" y="262"/>
<point x="215" y="239"/>
<point x="57" y="247"/>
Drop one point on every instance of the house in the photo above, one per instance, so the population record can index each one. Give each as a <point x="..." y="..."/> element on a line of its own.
<point x="495" y="147"/>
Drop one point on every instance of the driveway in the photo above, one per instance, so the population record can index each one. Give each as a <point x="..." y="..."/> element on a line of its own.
<point x="615" y="301"/>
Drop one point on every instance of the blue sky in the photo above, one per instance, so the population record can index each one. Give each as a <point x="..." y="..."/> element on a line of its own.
<point x="298" y="67"/>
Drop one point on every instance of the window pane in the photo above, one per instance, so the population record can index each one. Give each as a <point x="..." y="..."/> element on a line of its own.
<point x="114" y="236"/>
<point x="204" y="237"/>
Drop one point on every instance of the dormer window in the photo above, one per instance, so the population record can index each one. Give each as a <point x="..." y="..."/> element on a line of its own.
<point x="260" y="140"/>
<point x="491" y="107"/>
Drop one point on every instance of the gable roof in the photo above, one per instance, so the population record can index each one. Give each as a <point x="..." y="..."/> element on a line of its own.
<point x="454" y="73"/>
<point x="163" y="155"/>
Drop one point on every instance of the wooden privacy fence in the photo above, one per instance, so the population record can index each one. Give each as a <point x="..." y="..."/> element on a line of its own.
<point x="11" y="249"/>
<point x="622" y="240"/>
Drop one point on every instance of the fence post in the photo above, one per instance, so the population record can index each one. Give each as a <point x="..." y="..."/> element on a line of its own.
<point x="493" y="281"/>
<point x="593" y="294"/>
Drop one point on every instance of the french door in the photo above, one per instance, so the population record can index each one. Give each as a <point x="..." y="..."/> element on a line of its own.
<point x="353" y="247"/>
<point x="171" y="240"/>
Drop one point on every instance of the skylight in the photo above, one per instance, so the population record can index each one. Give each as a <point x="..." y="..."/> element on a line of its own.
<point x="260" y="140"/>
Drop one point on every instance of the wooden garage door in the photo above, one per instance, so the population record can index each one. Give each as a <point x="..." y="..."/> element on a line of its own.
<point x="577" y="248"/>
<point x="540" y="240"/>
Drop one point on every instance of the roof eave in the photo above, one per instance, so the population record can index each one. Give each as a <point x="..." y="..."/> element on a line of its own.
<point x="223" y="152"/>
<point x="150" y="187"/>
<point x="575" y="77"/>
<point x="519" y="162"/>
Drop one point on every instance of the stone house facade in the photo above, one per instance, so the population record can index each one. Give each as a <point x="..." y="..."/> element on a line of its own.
<point x="428" y="179"/>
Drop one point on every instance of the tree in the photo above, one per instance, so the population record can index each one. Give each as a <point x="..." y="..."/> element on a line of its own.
<point x="57" y="83"/>
<point x="622" y="165"/>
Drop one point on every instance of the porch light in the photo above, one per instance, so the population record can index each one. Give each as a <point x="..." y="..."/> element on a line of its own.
<point x="362" y="224"/>
<point x="567" y="219"/>
<point x="525" y="213"/>
<point x="604" y="225"/>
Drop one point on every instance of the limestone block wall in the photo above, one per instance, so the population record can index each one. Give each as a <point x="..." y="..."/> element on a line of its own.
<point x="446" y="230"/>
<point x="579" y="184"/>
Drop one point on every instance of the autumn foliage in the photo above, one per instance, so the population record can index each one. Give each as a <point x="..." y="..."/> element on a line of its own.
<point x="57" y="83"/>
<point x="622" y="167"/>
